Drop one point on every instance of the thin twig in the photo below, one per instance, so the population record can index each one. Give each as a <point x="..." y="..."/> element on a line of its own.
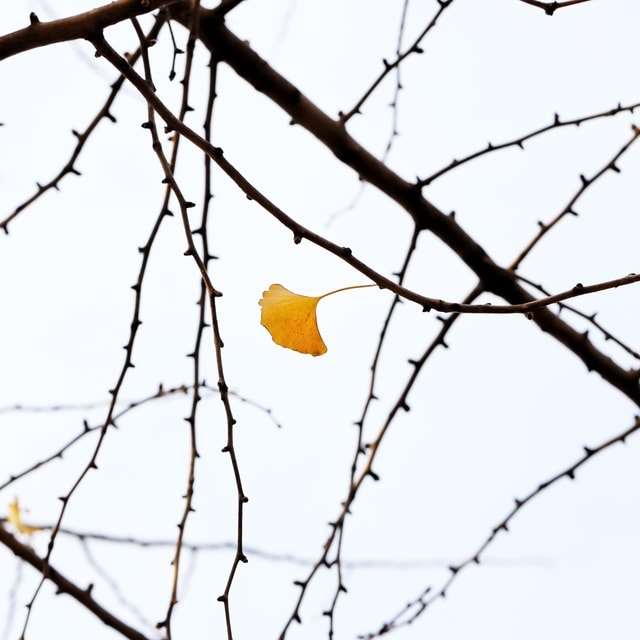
<point x="155" y="105"/>
<point x="83" y="137"/>
<point x="551" y="7"/>
<point x="344" y="117"/>
<point x="557" y="123"/>
<point x="418" y="606"/>
<point x="585" y="183"/>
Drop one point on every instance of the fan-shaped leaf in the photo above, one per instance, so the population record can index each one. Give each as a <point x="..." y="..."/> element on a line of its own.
<point x="291" y="320"/>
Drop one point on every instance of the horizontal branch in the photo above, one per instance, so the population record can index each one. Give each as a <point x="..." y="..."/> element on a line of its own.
<point x="64" y="585"/>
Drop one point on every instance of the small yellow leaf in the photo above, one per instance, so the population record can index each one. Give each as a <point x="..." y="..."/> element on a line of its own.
<point x="15" y="518"/>
<point x="291" y="320"/>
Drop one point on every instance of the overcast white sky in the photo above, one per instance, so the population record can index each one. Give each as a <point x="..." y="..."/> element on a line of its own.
<point x="502" y="410"/>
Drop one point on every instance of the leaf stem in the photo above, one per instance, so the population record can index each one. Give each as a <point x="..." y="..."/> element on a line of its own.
<point x="355" y="286"/>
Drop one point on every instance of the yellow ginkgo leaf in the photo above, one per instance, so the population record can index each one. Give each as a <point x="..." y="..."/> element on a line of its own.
<point x="291" y="318"/>
<point x="15" y="518"/>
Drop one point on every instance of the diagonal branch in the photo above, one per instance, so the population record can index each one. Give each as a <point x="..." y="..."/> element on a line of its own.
<point x="389" y="66"/>
<point x="256" y="71"/>
<point x="519" y="142"/>
<point x="82" y="137"/>
<point x="411" y="611"/>
<point x="64" y="585"/>
<point x="495" y="279"/>
<point x="585" y="183"/>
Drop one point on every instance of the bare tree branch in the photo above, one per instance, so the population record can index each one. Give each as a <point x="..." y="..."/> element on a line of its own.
<point x="519" y="142"/>
<point x="344" y="117"/>
<point x="82" y="25"/>
<point x="551" y="7"/>
<point x="82" y="137"/>
<point x="64" y="585"/>
<point x="263" y="78"/>
<point x="494" y="278"/>
<point x="418" y="606"/>
<point x="517" y="294"/>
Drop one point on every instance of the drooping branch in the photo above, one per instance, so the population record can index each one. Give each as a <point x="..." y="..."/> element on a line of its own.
<point x="169" y="168"/>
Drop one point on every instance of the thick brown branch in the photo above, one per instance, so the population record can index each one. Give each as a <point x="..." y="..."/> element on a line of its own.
<point x="502" y="282"/>
<point x="64" y="585"/>
<point x="40" y="34"/>
<point x="263" y="78"/>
